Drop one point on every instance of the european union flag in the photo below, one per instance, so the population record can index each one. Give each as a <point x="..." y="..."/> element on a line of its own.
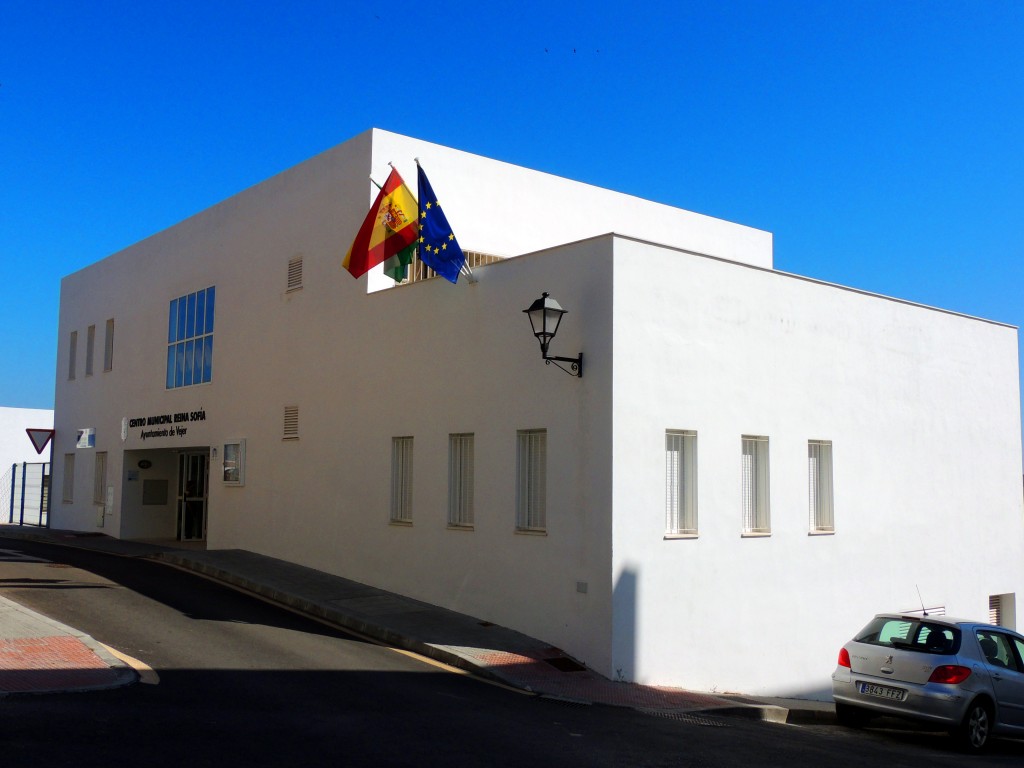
<point x="438" y="248"/>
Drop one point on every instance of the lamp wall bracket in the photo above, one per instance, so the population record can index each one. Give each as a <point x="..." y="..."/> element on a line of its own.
<point x="575" y="364"/>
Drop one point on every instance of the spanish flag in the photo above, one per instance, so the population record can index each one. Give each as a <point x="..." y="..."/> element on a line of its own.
<point x="390" y="227"/>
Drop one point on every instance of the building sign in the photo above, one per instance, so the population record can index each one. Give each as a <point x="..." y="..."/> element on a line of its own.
<point x="164" y="424"/>
<point x="86" y="438"/>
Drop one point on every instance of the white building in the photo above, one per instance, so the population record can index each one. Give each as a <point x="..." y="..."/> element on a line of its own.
<point x="752" y="464"/>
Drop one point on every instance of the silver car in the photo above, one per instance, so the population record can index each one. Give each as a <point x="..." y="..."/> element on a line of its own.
<point x="964" y="675"/>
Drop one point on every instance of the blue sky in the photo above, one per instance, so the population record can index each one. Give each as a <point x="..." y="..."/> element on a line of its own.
<point x="881" y="142"/>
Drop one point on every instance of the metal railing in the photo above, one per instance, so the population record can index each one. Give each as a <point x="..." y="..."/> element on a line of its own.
<point x="25" y="494"/>
<point x="418" y="271"/>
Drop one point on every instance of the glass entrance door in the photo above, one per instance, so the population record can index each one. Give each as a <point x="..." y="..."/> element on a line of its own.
<point x="193" y="481"/>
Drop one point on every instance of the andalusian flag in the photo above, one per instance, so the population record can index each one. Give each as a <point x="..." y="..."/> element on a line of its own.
<point x="390" y="228"/>
<point x="397" y="267"/>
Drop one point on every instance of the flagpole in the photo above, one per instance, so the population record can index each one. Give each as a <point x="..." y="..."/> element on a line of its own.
<point x="464" y="268"/>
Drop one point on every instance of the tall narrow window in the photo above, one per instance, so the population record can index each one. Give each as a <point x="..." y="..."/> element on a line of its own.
<point x="754" y="486"/>
<point x="99" y="483"/>
<point x="69" y="478"/>
<point x="108" y="346"/>
<point x="680" y="483"/>
<point x="72" y="355"/>
<point x="531" y="479"/>
<point x="190" y="339"/>
<point x="401" y="479"/>
<point x="90" y="348"/>
<point x="460" y="480"/>
<point x="819" y="486"/>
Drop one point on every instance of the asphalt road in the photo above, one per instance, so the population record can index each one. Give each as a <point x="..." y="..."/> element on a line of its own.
<point x="242" y="682"/>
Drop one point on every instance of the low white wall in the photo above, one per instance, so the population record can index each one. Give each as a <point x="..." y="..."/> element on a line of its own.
<point x="15" y="447"/>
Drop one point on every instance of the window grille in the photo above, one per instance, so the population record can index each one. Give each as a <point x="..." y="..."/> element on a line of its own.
<point x="995" y="610"/>
<point x="681" y="483"/>
<point x="295" y="273"/>
<point x="108" y="346"/>
<point x="1002" y="610"/>
<point x="819" y="485"/>
<point x="754" y="485"/>
<point x="418" y="271"/>
<point x="190" y="339"/>
<point x="401" y="479"/>
<point x="90" y="346"/>
<point x="99" y="484"/>
<point x="460" y="480"/>
<point x="531" y="485"/>
<point x="69" y="478"/>
<point x="291" y="422"/>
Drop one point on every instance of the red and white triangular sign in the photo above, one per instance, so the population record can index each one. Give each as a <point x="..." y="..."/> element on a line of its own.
<point x="39" y="438"/>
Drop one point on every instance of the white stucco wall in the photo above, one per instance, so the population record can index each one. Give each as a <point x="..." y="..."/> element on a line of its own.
<point x="506" y="210"/>
<point x="723" y="347"/>
<point x="423" y="360"/>
<point x="922" y="409"/>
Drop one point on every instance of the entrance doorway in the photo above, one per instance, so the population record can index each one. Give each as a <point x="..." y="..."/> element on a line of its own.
<point x="193" y="484"/>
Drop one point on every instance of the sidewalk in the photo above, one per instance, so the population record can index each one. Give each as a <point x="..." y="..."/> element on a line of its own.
<point x="39" y="655"/>
<point x="487" y="650"/>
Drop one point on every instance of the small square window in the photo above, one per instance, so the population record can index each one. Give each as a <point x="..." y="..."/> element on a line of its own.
<point x="291" y="422"/>
<point x="234" y="463"/>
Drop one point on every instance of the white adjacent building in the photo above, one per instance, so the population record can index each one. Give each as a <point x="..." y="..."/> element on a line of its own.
<point x="752" y="464"/>
<point x="24" y="470"/>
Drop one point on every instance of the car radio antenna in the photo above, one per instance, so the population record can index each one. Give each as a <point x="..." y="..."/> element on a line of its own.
<point x="924" y="611"/>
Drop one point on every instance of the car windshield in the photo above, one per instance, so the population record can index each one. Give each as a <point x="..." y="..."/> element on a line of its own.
<point x="910" y="633"/>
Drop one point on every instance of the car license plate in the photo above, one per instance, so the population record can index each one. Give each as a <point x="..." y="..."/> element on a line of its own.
<point x="882" y="691"/>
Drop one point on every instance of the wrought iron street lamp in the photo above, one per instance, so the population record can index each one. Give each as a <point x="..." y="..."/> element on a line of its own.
<point x="545" y="314"/>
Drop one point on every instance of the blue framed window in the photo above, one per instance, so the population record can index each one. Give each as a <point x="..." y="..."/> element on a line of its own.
<point x="190" y="338"/>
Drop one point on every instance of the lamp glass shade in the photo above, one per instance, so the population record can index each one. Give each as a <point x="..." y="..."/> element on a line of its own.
<point x="545" y="314"/>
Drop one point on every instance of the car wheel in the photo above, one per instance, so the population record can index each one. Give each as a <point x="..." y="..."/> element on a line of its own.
<point x="851" y="716"/>
<point x="973" y="733"/>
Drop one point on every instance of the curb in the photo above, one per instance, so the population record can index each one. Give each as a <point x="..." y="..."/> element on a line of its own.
<point x="741" y="708"/>
<point x="123" y="674"/>
<point x="366" y="629"/>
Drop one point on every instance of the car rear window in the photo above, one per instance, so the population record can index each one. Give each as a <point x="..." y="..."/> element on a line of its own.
<point x="910" y="633"/>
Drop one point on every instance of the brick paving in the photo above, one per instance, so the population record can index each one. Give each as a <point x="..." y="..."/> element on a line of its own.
<point x="56" y="663"/>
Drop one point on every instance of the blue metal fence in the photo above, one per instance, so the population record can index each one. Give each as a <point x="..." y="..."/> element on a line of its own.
<point x="25" y="494"/>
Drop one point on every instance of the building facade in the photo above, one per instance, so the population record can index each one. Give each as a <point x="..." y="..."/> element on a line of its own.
<point x="752" y="464"/>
